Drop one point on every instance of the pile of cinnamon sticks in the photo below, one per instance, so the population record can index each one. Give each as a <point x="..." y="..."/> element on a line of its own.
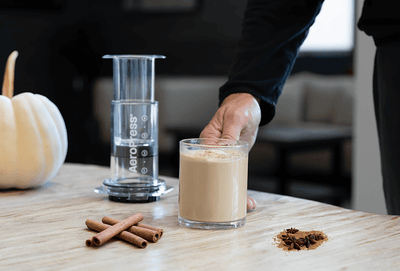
<point x="129" y="230"/>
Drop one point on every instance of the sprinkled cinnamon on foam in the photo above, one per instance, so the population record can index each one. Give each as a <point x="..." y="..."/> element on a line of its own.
<point x="216" y="155"/>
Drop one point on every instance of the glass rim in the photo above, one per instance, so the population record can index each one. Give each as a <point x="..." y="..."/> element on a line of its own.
<point x="236" y="143"/>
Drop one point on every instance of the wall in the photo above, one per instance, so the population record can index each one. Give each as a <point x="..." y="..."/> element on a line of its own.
<point x="367" y="192"/>
<point x="60" y="53"/>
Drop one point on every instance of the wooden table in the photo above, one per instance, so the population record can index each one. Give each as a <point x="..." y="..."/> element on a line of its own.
<point x="44" y="229"/>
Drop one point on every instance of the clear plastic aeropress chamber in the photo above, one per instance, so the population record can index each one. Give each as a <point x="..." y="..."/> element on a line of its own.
<point x="134" y="132"/>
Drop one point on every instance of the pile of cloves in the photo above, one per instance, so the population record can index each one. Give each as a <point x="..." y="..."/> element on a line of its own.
<point x="293" y="239"/>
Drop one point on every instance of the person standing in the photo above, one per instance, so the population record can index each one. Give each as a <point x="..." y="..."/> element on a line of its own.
<point x="273" y="31"/>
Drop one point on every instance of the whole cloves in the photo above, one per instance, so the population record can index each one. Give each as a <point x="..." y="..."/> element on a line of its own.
<point x="294" y="239"/>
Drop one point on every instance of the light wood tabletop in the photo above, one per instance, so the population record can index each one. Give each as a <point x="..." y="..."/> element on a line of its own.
<point x="44" y="229"/>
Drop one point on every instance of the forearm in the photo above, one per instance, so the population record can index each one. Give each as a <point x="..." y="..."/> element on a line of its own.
<point x="272" y="33"/>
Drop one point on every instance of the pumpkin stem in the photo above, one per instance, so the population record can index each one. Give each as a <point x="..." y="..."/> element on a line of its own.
<point x="8" y="82"/>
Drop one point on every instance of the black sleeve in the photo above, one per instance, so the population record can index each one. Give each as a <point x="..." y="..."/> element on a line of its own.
<point x="273" y="31"/>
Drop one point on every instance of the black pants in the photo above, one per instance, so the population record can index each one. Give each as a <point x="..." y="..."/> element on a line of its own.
<point x="386" y="90"/>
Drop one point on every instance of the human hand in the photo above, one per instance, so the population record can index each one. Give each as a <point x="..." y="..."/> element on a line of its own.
<point x="237" y="118"/>
<point x="251" y="203"/>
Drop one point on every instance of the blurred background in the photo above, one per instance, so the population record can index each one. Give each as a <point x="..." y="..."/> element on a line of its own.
<point x="61" y="43"/>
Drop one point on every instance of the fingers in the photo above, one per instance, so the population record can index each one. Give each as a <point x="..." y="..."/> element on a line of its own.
<point x="237" y="119"/>
<point x="242" y="118"/>
<point x="254" y="203"/>
<point x="234" y="123"/>
<point x="251" y="204"/>
<point x="213" y="129"/>
<point x="229" y="128"/>
<point x="231" y="132"/>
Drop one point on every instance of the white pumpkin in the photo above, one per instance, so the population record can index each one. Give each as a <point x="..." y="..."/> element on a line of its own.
<point x="33" y="136"/>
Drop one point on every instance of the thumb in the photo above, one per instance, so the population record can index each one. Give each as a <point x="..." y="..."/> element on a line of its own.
<point x="225" y="125"/>
<point x="232" y="127"/>
<point x="212" y="130"/>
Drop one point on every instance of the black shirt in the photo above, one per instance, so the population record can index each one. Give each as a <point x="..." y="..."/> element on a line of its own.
<point x="381" y="20"/>
<point x="273" y="31"/>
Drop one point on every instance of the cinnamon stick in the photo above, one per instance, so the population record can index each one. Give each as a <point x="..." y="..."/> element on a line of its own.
<point x="160" y="231"/>
<point x="112" y="231"/>
<point x="126" y="236"/>
<point x="147" y="234"/>
<point x="89" y="242"/>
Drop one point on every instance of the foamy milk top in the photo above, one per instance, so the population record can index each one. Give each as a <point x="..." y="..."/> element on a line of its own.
<point x="215" y="155"/>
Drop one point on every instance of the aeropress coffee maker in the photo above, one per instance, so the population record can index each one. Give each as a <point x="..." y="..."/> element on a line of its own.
<point x="134" y="132"/>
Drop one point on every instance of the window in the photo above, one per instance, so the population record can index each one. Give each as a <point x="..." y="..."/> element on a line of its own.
<point x="333" y="30"/>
